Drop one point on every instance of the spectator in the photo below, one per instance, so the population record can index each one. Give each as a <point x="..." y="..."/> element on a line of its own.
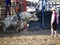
<point x="18" y="9"/>
<point x="8" y="4"/>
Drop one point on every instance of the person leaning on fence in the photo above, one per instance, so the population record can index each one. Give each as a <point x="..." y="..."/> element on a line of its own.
<point x="54" y="22"/>
<point x="8" y="4"/>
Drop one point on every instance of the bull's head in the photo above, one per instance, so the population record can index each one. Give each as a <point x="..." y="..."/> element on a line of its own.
<point x="33" y="17"/>
<point x="26" y="17"/>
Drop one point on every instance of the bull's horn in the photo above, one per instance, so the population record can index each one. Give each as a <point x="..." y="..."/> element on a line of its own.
<point x="34" y="13"/>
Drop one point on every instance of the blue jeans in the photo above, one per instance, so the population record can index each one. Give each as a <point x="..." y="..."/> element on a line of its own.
<point x="7" y="10"/>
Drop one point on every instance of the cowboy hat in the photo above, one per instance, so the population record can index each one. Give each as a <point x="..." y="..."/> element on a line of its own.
<point x="53" y="8"/>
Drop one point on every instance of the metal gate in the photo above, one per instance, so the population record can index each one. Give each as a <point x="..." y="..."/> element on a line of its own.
<point x="45" y="13"/>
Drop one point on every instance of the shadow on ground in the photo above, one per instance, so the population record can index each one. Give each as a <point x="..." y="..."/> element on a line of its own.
<point x="25" y="33"/>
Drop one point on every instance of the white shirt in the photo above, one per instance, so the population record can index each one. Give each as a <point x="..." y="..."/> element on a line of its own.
<point x="53" y="18"/>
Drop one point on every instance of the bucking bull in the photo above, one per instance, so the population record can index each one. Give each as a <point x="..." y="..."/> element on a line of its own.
<point x="25" y="17"/>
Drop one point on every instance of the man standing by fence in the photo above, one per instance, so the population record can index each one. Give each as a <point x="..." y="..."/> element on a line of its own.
<point x="8" y="4"/>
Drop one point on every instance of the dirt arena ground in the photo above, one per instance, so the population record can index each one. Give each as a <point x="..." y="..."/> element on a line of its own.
<point x="39" y="37"/>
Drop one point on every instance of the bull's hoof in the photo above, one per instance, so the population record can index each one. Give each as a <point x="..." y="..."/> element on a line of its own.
<point x="18" y="30"/>
<point x="4" y="30"/>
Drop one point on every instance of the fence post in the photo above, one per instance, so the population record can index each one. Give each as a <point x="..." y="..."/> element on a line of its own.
<point x="42" y="15"/>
